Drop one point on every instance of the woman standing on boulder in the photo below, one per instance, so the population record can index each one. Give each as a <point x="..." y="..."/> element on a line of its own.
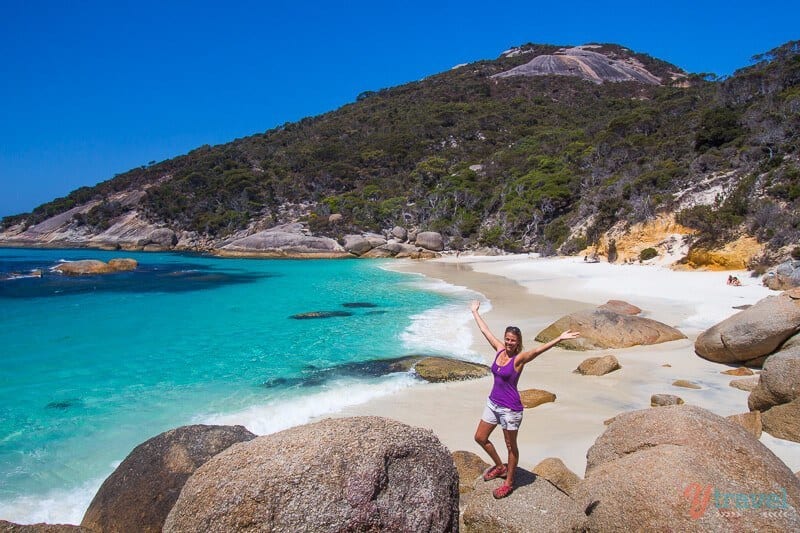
<point x="504" y="405"/>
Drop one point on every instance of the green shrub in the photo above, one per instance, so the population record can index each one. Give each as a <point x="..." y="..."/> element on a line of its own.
<point x="492" y="236"/>
<point x="647" y="253"/>
<point x="718" y="126"/>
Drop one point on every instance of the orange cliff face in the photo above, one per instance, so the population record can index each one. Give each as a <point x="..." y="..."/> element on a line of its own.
<point x="661" y="233"/>
<point x="735" y="255"/>
<point x="667" y="237"/>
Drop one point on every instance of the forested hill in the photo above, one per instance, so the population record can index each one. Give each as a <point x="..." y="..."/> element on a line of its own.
<point x="545" y="148"/>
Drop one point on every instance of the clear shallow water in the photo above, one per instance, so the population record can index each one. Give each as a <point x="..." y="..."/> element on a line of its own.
<point x="93" y="366"/>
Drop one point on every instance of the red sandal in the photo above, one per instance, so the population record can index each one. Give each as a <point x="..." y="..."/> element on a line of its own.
<point x="495" y="472"/>
<point x="502" y="491"/>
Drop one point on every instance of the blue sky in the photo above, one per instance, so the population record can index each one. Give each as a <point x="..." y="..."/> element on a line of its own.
<point x="90" y="89"/>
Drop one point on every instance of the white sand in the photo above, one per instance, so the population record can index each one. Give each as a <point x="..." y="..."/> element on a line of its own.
<point x="531" y="293"/>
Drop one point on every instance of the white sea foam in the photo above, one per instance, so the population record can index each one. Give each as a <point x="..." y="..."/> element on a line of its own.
<point x="293" y="411"/>
<point x="60" y="506"/>
<point x="444" y="329"/>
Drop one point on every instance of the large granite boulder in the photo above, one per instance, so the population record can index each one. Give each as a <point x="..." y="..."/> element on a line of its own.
<point x="440" y="369"/>
<point x="430" y="240"/>
<point x="779" y="381"/>
<point x="784" y="276"/>
<point x="381" y="252"/>
<point x="535" y="505"/>
<point x="401" y="250"/>
<point x="357" y="244"/>
<point x="680" y="468"/>
<point x="601" y="329"/>
<point x="469" y="467"/>
<point x="346" y="474"/>
<point x="162" y="237"/>
<point x="375" y="240"/>
<point x="751" y="335"/>
<point x="783" y="421"/>
<point x="139" y="494"/>
<point x="289" y="240"/>
<point x="400" y="233"/>
<point x="751" y="421"/>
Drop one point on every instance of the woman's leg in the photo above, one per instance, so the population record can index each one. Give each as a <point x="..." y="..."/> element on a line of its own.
<point x="513" y="454"/>
<point x="482" y="437"/>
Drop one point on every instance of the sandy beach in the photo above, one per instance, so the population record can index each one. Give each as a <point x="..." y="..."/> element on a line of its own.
<point x="531" y="293"/>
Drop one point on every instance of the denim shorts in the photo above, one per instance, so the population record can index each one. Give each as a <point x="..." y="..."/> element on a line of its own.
<point x="496" y="414"/>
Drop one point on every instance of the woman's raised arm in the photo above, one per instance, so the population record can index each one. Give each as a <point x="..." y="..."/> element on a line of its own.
<point x="530" y="355"/>
<point x="496" y="343"/>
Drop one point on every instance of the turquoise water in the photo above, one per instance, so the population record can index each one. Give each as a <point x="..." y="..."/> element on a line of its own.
<point x="93" y="366"/>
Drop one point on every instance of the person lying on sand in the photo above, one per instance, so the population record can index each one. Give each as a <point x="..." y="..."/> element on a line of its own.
<point x="504" y="405"/>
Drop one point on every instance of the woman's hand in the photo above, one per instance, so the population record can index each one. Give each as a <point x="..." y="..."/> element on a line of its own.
<point x="475" y="305"/>
<point x="569" y="334"/>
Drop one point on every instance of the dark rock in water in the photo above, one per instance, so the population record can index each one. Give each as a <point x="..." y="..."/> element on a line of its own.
<point x="64" y="404"/>
<point x="145" y="278"/>
<point x="321" y="314"/>
<point x="139" y="494"/>
<point x="359" y="304"/>
<point x="84" y="267"/>
<point x="277" y="382"/>
<point x="313" y="375"/>
<point x="344" y="474"/>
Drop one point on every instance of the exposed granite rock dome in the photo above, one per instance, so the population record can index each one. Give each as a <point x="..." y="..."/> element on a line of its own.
<point x="582" y="62"/>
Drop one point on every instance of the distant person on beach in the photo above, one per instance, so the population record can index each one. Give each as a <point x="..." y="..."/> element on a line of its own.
<point x="504" y="405"/>
<point x="733" y="280"/>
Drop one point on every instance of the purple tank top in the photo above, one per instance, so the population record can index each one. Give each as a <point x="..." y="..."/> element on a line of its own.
<point x="504" y="392"/>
